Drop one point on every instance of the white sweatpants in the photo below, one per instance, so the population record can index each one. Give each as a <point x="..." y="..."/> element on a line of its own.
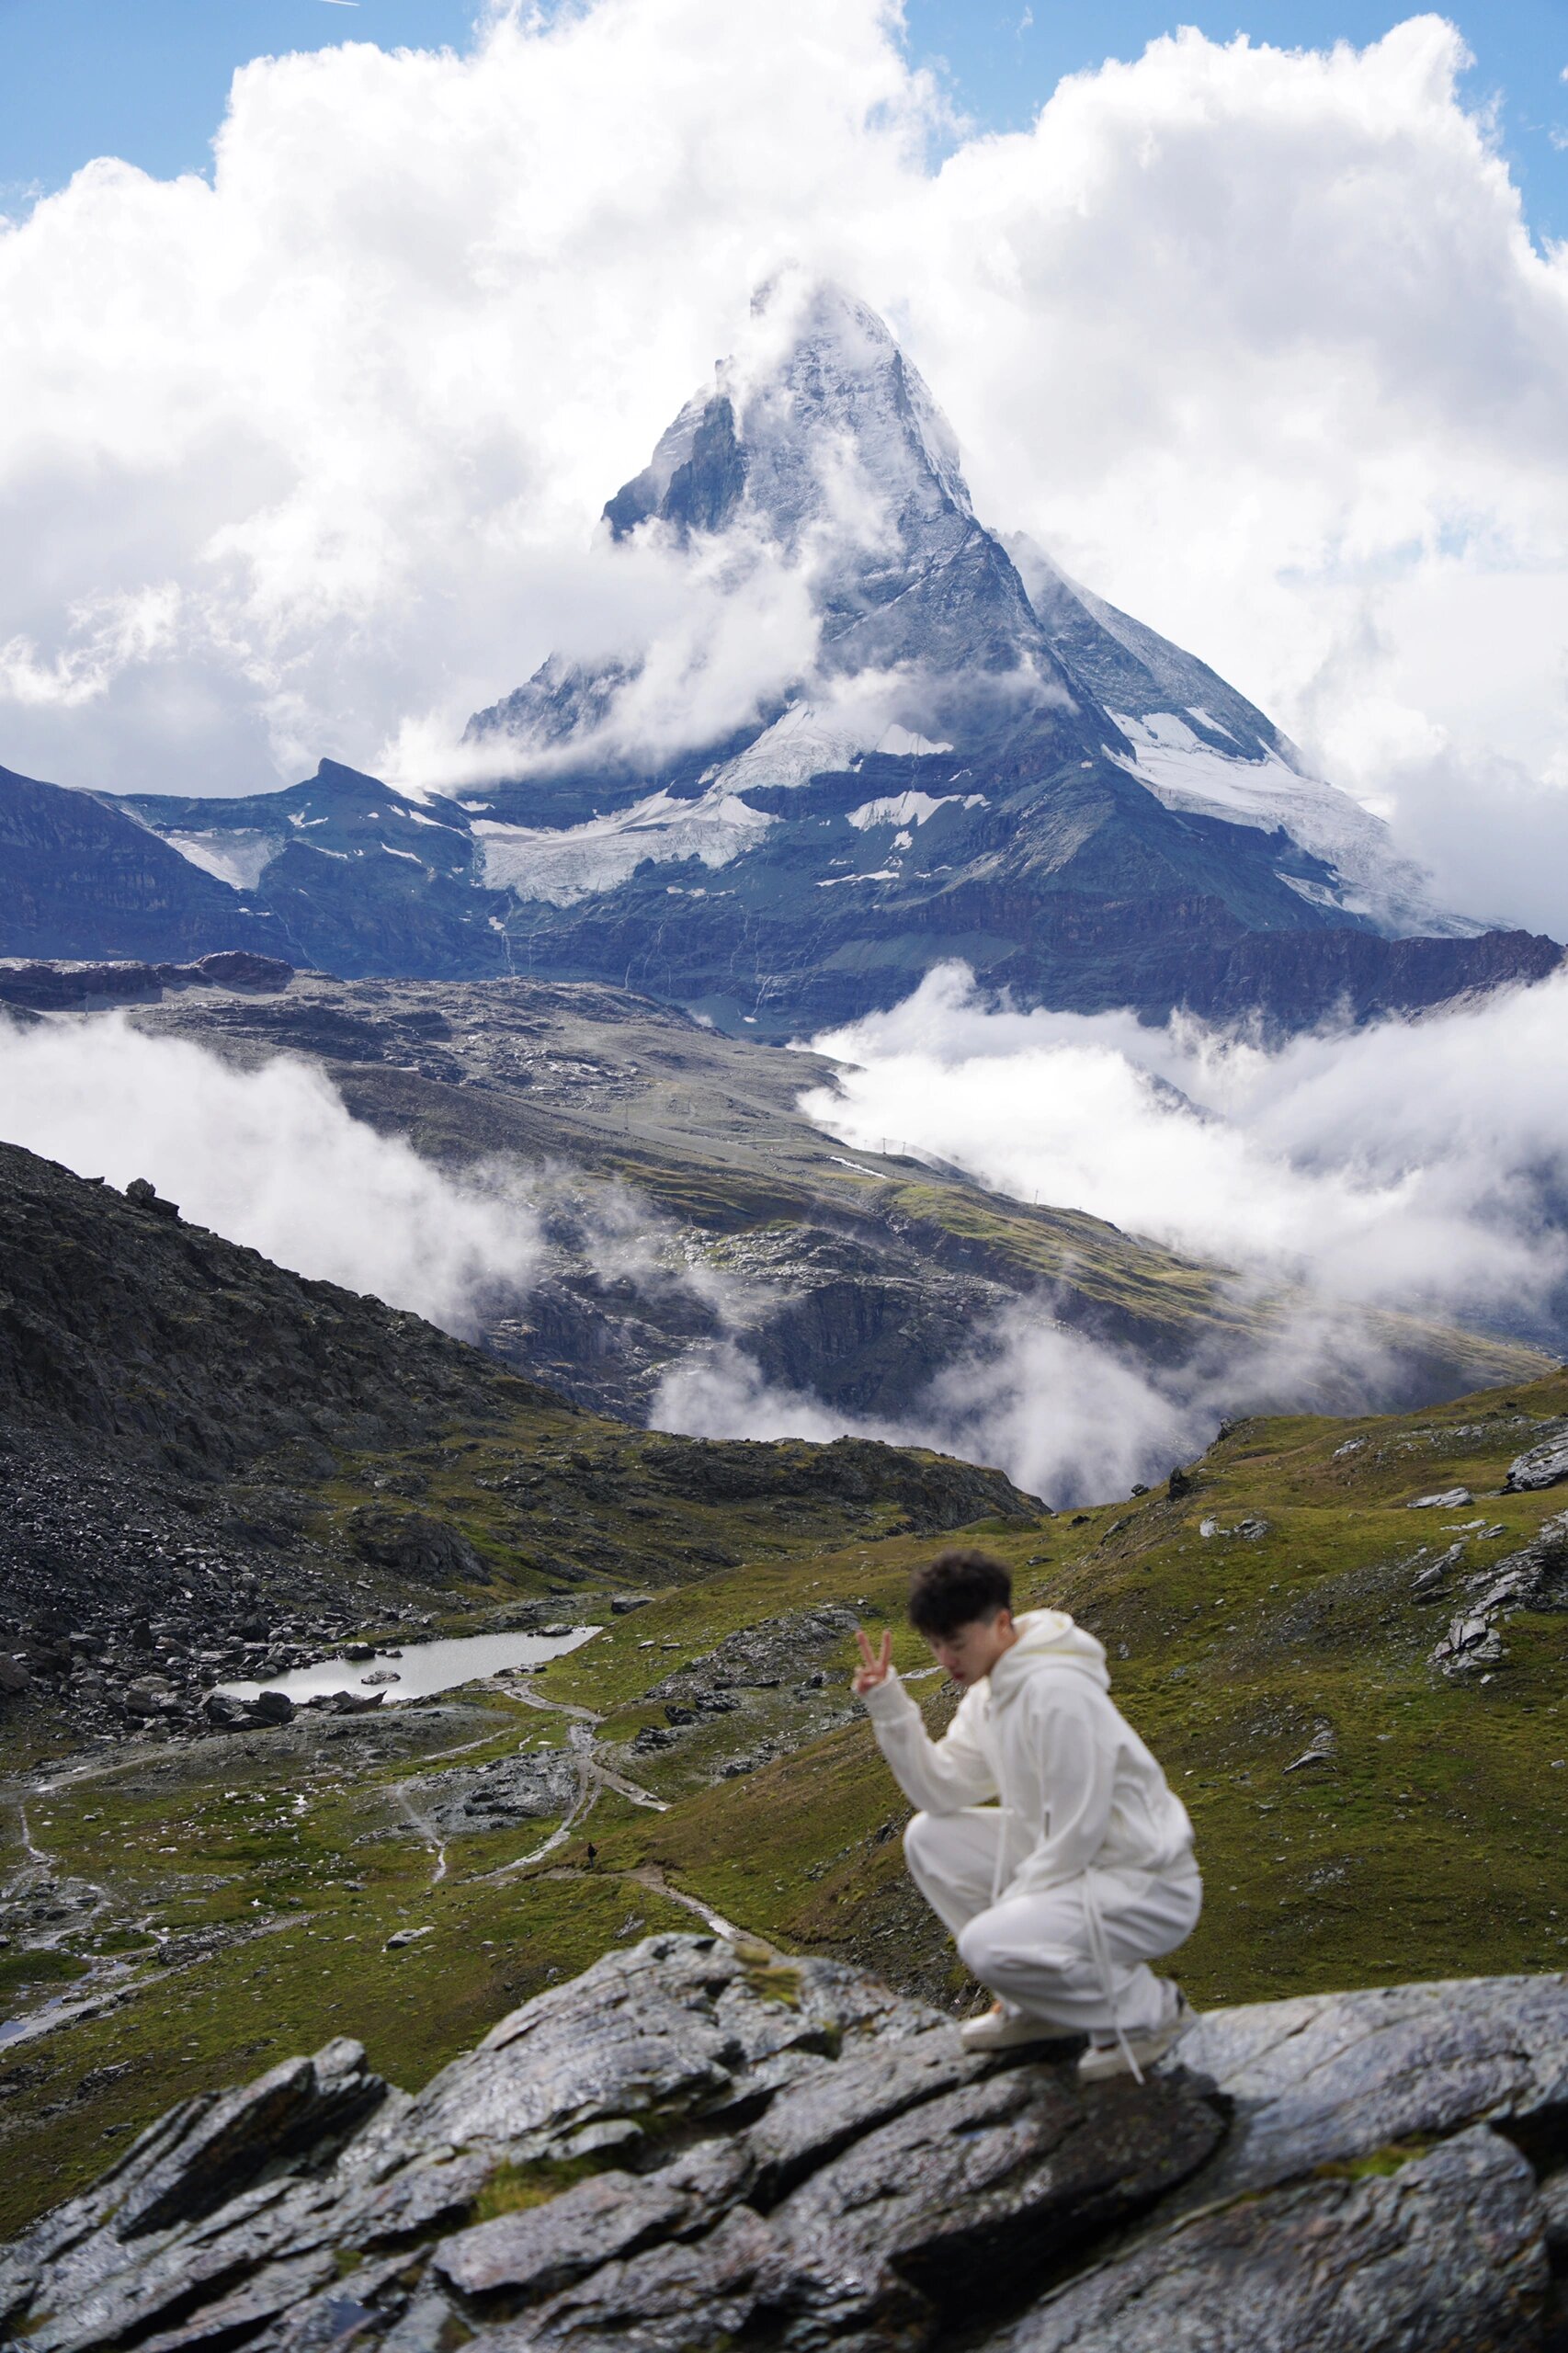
<point x="1038" y="1951"/>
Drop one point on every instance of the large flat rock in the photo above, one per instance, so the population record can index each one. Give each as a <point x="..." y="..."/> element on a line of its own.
<point x="695" y="2146"/>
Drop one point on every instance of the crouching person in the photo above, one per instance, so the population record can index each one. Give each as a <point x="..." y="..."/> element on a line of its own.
<point x="1061" y="1893"/>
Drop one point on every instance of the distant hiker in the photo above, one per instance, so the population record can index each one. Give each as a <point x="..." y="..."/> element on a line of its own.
<point x="592" y="1854"/>
<point x="1060" y="1894"/>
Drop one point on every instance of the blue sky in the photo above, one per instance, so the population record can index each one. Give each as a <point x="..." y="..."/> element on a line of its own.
<point x="145" y="79"/>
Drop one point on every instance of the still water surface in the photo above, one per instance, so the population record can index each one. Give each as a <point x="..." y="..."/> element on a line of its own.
<point x="423" y="1667"/>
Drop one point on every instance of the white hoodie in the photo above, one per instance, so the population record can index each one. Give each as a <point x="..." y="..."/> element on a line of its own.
<point x="1040" y="1733"/>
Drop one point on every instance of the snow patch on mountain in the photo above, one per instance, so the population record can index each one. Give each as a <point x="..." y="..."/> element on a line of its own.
<point x="900" y="743"/>
<point x="240" y="859"/>
<point x="910" y="808"/>
<point x="563" y="865"/>
<point x="1185" y="773"/>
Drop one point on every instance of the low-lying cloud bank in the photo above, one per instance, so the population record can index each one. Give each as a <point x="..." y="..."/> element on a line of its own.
<point x="1414" y="1167"/>
<point x="1418" y="1164"/>
<point x="1068" y="1418"/>
<point x="272" y="1158"/>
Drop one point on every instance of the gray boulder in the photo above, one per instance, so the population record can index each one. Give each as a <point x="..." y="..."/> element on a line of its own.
<point x="698" y="2146"/>
<point x="1542" y="1466"/>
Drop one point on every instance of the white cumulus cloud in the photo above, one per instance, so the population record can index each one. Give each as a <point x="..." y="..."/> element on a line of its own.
<point x="271" y="1158"/>
<point x="1420" y="1165"/>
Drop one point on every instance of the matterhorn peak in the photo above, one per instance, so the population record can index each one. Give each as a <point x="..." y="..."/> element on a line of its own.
<point x="815" y="423"/>
<point x="869" y="719"/>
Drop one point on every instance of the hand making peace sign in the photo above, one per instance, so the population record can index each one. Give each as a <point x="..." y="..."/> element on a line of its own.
<point x="876" y="1666"/>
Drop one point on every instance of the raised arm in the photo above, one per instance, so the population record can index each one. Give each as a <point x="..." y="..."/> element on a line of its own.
<point x="938" y="1775"/>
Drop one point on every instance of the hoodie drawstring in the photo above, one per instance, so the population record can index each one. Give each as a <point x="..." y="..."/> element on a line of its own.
<point x="1100" y="1952"/>
<point x="999" y="1868"/>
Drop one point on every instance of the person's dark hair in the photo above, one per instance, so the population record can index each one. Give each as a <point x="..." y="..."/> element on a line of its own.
<point x="959" y="1585"/>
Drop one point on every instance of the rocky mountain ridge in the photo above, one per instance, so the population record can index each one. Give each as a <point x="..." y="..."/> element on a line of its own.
<point x="703" y="2144"/>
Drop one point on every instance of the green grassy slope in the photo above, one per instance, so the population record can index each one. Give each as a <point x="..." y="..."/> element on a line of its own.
<point x="270" y="1870"/>
<point x="1432" y="1840"/>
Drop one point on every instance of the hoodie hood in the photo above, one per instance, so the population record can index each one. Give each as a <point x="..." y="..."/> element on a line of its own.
<point x="1048" y="1638"/>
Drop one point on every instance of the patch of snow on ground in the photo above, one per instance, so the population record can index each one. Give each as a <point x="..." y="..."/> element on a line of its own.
<point x="1183" y="772"/>
<point x="910" y="808"/>
<point x="882" y="874"/>
<point x="238" y="859"/>
<point x="1207" y="719"/>
<point x="562" y="865"/>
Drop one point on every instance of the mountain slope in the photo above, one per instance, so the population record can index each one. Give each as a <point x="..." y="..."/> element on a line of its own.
<point x="1273" y="1625"/>
<point x="78" y="878"/>
<point x="688" y="1203"/>
<point x="361" y="878"/>
<point x="185" y="1421"/>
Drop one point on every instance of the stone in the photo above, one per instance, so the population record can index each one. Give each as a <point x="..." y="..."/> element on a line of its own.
<point x="971" y="2197"/>
<point x="1542" y="1466"/>
<point x="609" y="2215"/>
<point x="1443" y="2255"/>
<point x="694" y="2297"/>
<point x="147" y="1197"/>
<point x="1535" y="1577"/>
<point x="812" y="2121"/>
<point x="14" y="1675"/>
<point x="701" y="2143"/>
<point x="271" y="1708"/>
<point x="1336" y="2076"/>
<point x="1450" y="1499"/>
<point x="1554" y="2217"/>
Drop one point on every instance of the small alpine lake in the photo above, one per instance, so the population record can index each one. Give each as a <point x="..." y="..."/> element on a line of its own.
<point x="419" y="1670"/>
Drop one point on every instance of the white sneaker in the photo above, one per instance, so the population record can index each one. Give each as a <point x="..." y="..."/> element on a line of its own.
<point x="1103" y="2061"/>
<point x="1001" y="2030"/>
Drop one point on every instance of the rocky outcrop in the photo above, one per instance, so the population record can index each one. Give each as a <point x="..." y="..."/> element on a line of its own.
<point x="1535" y="1577"/>
<point x="699" y="2146"/>
<point x="75" y="988"/>
<point x="1542" y="1466"/>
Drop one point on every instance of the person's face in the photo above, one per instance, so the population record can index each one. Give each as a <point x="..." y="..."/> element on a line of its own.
<point x="970" y="1654"/>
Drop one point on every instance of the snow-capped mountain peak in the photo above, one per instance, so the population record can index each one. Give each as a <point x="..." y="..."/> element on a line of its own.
<point x="816" y="424"/>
